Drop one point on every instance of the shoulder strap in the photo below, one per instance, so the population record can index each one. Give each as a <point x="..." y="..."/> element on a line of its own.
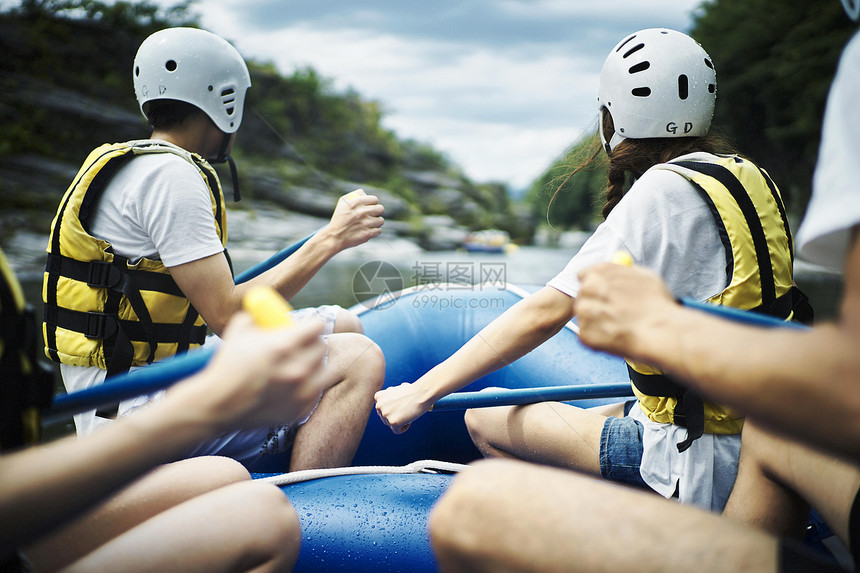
<point x="751" y="216"/>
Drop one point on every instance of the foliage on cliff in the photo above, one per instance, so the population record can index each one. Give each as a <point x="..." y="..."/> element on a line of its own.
<point x="66" y="77"/>
<point x="775" y="61"/>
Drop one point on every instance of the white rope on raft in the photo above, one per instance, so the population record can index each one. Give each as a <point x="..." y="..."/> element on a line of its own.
<point x="420" y="466"/>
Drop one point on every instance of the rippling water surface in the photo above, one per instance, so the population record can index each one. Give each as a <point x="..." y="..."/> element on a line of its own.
<point x="255" y="234"/>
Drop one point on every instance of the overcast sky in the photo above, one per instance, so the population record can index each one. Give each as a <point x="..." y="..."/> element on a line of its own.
<point x="501" y="87"/>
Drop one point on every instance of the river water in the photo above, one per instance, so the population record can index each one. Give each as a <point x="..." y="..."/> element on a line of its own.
<point x="388" y="262"/>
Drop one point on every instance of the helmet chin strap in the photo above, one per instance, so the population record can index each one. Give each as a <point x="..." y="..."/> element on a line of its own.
<point x="221" y="158"/>
<point x="234" y="175"/>
<point x="613" y="142"/>
<point x="852" y="9"/>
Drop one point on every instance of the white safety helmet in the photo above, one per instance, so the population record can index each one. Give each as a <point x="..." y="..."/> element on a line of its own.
<point x="852" y="8"/>
<point x="657" y="83"/>
<point x="194" y="66"/>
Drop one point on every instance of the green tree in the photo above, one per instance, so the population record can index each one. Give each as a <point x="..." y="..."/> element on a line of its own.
<point x="571" y="202"/>
<point x="338" y="132"/>
<point x="143" y="17"/>
<point x="66" y="76"/>
<point x="54" y="50"/>
<point x="775" y="61"/>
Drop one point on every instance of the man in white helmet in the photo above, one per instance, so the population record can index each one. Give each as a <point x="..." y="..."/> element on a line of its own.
<point x="801" y="443"/>
<point x="137" y="266"/>
<point x="681" y="218"/>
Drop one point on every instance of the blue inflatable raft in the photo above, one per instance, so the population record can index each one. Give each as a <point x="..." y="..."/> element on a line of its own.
<point x="373" y="517"/>
<point x="376" y="521"/>
<point x="419" y="328"/>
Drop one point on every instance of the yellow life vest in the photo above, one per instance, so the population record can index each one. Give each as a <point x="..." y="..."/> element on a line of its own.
<point x="752" y="224"/>
<point x="25" y="385"/>
<point x="101" y="309"/>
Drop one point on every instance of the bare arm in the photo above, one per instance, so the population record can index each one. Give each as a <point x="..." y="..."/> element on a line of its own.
<point x="806" y="383"/>
<point x="256" y="378"/>
<point x="209" y="285"/>
<point x="521" y="329"/>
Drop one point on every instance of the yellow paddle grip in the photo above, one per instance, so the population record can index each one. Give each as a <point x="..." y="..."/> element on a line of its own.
<point x="353" y="194"/>
<point x="267" y="307"/>
<point x="622" y="258"/>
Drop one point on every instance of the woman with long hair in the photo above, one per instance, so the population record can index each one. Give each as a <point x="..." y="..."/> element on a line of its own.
<point x="680" y="201"/>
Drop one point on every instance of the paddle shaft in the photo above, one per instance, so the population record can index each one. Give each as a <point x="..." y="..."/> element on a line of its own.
<point x="146" y="380"/>
<point x="272" y="261"/>
<point x="741" y="316"/>
<point x="516" y="397"/>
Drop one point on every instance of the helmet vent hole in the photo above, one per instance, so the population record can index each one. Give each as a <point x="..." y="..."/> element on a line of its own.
<point x="712" y="88"/>
<point x="170" y="65"/>
<point x="640" y="67"/>
<point x="683" y="87"/>
<point x="228" y="98"/>
<point x="709" y="63"/>
<point x="641" y="92"/>
<point x="633" y="50"/>
<point x="625" y="42"/>
<point x="137" y="71"/>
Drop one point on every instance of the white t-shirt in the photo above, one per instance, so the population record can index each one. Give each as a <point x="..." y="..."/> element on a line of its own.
<point x="157" y="206"/>
<point x="667" y="226"/>
<point x="834" y="208"/>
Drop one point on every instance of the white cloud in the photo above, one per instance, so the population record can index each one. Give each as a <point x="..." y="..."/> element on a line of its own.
<point x="499" y="114"/>
<point x="676" y="10"/>
<point x="526" y="152"/>
<point x="501" y="87"/>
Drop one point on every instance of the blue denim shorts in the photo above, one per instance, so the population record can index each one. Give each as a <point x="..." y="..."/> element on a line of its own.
<point x="621" y="449"/>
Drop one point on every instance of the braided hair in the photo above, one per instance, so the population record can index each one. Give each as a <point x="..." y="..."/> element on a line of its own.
<point x="635" y="156"/>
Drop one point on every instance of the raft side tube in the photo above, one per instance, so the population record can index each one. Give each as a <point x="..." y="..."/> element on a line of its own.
<point x="420" y="327"/>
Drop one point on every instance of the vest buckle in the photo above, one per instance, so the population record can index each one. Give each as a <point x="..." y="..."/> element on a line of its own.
<point x="100" y="326"/>
<point x="103" y="275"/>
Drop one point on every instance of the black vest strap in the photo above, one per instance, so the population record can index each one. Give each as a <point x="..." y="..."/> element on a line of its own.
<point x="781" y="207"/>
<point x="690" y="410"/>
<point x="110" y="275"/>
<point x="794" y="300"/>
<point x="739" y="194"/>
<point x="102" y="326"/>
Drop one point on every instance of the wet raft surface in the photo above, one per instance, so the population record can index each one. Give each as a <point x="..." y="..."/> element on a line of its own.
<point x="369" y="523"/>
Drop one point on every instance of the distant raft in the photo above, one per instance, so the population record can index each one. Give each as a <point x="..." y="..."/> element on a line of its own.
<point x="489" y="241"/>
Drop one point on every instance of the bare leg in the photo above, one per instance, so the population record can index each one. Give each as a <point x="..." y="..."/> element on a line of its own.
<point x="332" y="434"/>
<point x="347" y="321"/>
<point x="150" y="495"/>
<point x="247" y="526"/>
<point x="615" y="410"/>
<point x="772" y="468"/>
<point x="512" y="516"/>
<point x="548" y="433"/>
